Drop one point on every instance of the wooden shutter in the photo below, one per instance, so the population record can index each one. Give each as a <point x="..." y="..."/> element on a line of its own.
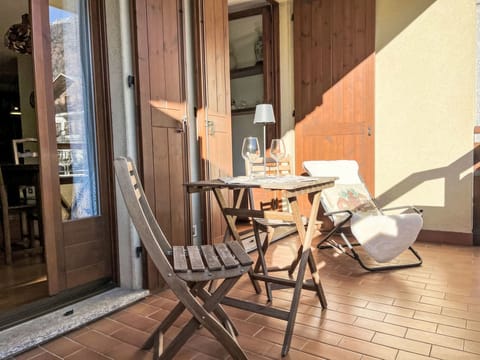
<point x="160" y="65"/>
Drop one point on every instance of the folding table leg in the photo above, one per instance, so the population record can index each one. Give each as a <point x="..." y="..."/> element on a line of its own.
<point x="295" y="302"/>
<point x="316" y="279"/>
<point x="261" y="248"/>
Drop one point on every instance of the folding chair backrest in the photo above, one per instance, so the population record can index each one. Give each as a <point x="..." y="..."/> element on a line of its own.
<point x="150" y="233"/>
<point x="270" y="168"/>
<point x="349" y="192"/>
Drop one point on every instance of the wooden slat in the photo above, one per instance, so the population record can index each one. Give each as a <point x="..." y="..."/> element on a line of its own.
<point x="179" y="259"/>
<point x="210" y="257"/>
<point x="226" y="256"/>
<point x="196" y="262"/>
<point x="239" y="253"/>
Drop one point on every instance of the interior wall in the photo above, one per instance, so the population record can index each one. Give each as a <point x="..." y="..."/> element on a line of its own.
<point x="425" y="108"/>
<point x="286" y="77"/>
<point x="25" y="87"/>
<point x="16" y="83"/>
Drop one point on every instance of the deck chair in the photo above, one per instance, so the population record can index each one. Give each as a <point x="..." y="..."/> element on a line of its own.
<point x="383" y="235"/>
<point x="186" y="270"/>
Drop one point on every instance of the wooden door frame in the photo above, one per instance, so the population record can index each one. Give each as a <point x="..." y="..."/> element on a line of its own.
<point x="271" y="62"/>
<point x="47" y="142"/>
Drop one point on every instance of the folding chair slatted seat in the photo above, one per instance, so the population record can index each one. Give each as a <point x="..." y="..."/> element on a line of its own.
<point x="186" y="270"/>
<point x="383" y="236"/>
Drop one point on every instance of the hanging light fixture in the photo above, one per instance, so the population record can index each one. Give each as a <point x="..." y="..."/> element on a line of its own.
<point x="18" y="37"/>
<point x="15" y="110"/>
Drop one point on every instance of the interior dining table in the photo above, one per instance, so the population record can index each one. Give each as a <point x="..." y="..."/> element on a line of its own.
<point x="291" y="187"/>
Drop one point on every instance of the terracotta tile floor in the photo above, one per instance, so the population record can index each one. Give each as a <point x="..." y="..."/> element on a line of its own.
<point x="428" y="312"/>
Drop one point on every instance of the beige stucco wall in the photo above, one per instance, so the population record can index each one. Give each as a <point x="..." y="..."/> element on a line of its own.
<point x="425" y="108"/>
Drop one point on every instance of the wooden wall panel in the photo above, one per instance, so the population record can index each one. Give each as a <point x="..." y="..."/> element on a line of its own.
<point x="154" y="40"/>
<point x="334" y="79"/>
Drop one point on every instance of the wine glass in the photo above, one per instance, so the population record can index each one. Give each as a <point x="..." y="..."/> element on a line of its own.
<point x="277" y="152"/>
<point x="65" y="160"/>
<point x="250" y="151"/>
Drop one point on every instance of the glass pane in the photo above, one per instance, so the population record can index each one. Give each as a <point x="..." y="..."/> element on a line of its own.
<point x="74" y="111"/>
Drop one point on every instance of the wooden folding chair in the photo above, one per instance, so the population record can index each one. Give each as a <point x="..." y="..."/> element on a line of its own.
<point x="186" y="270"/>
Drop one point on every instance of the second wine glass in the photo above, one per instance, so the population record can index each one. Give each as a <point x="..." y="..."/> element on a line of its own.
<point x="250" y="151"/>
<point x="277" y="152"/>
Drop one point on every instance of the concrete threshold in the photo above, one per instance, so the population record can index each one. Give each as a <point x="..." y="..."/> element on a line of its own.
<point x="37" y="331"/>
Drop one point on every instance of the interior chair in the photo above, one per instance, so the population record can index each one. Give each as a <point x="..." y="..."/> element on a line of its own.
<point x="382" y="235"/>
<point x="23" y="149"/>
<point x="186" y="270"/>
<point x="22" y="209"/>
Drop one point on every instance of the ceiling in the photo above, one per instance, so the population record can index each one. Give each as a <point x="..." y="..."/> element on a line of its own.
<point x="237" y="5"/>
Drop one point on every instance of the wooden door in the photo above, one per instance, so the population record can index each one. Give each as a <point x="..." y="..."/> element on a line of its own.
<point x="78" y="247"/>
<point x="162" y="106"/>
<point x="213" y="103"/>
<point x="334" y="58"/>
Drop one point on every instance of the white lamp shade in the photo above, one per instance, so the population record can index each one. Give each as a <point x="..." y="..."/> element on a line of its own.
<point x="264" y="114"/>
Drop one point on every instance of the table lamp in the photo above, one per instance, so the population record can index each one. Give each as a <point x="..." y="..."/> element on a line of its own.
<point x="264" y="115"/>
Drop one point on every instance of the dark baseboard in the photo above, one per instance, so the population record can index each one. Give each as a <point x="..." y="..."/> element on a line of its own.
<point x="446" y="237"/>
<point x="476" y="237"/>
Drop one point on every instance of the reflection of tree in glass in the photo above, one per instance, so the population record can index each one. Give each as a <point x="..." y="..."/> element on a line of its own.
<point x="66" y="61"/>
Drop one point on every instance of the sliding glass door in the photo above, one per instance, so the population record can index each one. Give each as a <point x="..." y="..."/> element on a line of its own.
<point x="74" y="132"/>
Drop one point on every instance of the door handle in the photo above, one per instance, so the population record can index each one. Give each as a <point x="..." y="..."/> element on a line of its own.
<point x="183" y="126"/>
<point x="211" y="127"/>
<point x="369" y="131"/>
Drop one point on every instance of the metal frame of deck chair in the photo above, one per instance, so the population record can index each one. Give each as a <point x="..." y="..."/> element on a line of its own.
<point x="188" y="276"/>
<point x="346" y="172"/>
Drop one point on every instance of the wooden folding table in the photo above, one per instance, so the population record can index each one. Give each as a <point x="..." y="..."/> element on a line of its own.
<point x="291" y="187"/>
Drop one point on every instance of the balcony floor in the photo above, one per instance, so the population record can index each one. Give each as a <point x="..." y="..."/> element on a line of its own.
<point x="432" y="311"/>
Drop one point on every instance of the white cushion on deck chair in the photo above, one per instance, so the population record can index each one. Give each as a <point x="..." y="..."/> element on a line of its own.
<point x="384" y="237"/>
<point x="346" y="171"/>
